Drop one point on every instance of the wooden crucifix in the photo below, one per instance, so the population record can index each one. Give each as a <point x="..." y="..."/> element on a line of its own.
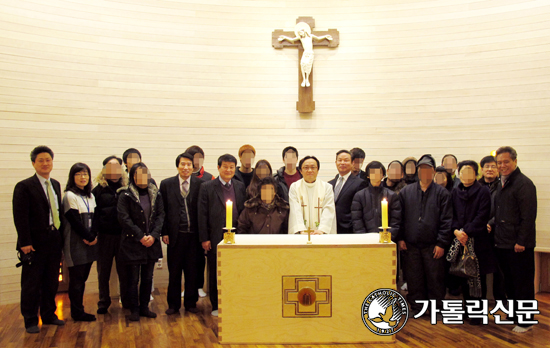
<point x="305" y="39"/>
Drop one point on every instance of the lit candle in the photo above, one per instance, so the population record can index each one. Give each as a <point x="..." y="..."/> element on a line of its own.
<point x="384" y="213"/>
<point x="229" y="215"/>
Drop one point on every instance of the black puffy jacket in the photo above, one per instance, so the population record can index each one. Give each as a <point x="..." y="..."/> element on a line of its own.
<point x="366" y="211"/>
<point x="106" y="214"/>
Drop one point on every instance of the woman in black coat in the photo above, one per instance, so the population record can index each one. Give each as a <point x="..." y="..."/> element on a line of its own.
<point x="471" y="211"/>
<point x="141" y="215"/>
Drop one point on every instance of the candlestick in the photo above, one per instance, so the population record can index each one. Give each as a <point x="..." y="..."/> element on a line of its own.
<point x="384" y="213"/>
<point x="384" y="235"/>
<point x="229" y="236"/>
<point x="229" y="215"/>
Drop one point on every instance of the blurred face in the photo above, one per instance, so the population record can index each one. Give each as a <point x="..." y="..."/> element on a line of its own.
<point x="505" y="164"/>
<point x="247" y="159"/>
<point x="198" y="161"/>
<point x="310" y="170"/>
<point x="132" y="159"/>
<point x="290" y="159"/>
<point x="375" y="176"/>
<point x="450" y="164"/>
<point x="357" y="164"/>
<point x="141" y="177"/>
<point x="113" y="170"/>
<point x="395" y="173"/>
<point x="467" y="175"/>
<point x="267" y="193"/>
<point x="185" y="168"/>
<point x="262" y="172"/>
<point x="441" y="179"/>
<point x="227" y="171"/>
<point x="410" y="168"/>
<point x="81" y="179"/>
<point x="489" y="171"/>
<point x="43" y="164"/>
<point x="343" y="163"/>
<point x="426" y="174"/>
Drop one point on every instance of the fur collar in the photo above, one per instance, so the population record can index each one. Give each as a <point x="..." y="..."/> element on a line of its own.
<point x="132" y="191"/>
<point x="102" y="181"/>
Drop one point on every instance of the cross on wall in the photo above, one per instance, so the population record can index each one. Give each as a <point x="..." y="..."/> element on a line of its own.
<point x="329" y="38"/>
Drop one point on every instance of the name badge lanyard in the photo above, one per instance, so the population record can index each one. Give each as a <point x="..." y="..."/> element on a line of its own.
<point x="87" y="204"/>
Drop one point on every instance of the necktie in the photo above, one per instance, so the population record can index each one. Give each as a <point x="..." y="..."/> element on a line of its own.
<point x="53" y="208"/>
<point x="184" y="188"/>
<point x="338" y="187"/>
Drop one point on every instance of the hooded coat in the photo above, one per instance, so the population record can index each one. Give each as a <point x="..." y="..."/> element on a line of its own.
<point x="133" y="223"/>
<point x="396" y="187"/>
<point x="409" y="179"/>
<point x="258" y="218"/>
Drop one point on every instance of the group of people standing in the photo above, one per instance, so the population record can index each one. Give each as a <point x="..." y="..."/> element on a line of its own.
<point x="124" y="217"/>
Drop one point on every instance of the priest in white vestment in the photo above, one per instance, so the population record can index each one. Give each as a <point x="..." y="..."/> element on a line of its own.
<point x="311" y="201"/>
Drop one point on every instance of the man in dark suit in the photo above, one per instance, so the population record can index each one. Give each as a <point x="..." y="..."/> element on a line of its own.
<point x="38" y="220"/>
<point x="213" y="196"/>
<point x="345" y="185"/>
<point x="180" y="195"/>
<point x="515" y="230"/>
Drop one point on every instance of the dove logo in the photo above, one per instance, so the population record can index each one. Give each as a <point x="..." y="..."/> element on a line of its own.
<point x="384" y="312"/>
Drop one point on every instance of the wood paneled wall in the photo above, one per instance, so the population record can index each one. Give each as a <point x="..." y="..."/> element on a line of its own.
<point x="410" y="77"/>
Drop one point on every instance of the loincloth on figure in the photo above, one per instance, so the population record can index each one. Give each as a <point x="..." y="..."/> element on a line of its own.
<point x="307" y="62"/>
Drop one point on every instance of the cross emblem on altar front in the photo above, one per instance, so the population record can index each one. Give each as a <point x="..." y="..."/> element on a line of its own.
<point x="307" y="296"/>
<point x="305" y="39"/>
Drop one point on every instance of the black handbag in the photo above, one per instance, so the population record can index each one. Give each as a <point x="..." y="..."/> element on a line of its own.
<point x="465" y="266"/>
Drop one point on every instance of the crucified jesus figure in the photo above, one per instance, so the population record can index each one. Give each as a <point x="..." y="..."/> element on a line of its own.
<point x="303" y="33"/>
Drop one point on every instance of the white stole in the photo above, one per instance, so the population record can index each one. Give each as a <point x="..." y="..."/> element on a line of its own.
<point x="300" y="216"/>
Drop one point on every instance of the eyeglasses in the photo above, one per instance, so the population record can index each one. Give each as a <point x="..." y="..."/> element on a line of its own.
<point x="83" y="175"/>
<point x="307" y="169"/>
